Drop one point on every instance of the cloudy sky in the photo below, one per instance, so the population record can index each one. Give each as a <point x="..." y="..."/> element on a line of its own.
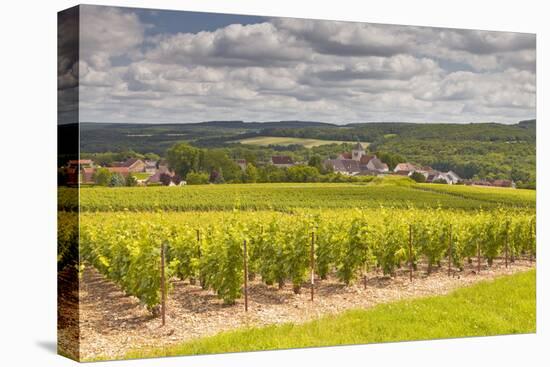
<point x="162" y="66"/>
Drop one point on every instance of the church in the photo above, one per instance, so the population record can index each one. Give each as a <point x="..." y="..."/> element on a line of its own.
<point x="357" y="162"/>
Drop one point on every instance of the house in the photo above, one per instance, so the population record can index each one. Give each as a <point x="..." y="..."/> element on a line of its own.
<point x="134" y="165"/>
<point x="348" y="167"/>
<point x="87" y="175"/>
<point x="150" y="166"/>
<point x="241" y="163"/>
<point x="404" y="173"/>
<point x="124" y="171"/>
<point x="436" y="176"/>
<point x="282" y="161"/>
<point x="80" y="163"/>
<point x="357" y="162"/>
<point x="405" y="169"/>
<point x="450" y="177"/>
<point x="155" y="178"/>
<point x="492" y="183"/>
<point x="165" y="169"/>
<point x="344" y="155"/>
<point x="503" y="183"/>
<point x="162" y="166"/>
<point x="364" y="161"/>
<point x="376" y="165"/>
<point x="431" y="175"/>
<point x="80" y="171"/>
<point x="453" y="177"/>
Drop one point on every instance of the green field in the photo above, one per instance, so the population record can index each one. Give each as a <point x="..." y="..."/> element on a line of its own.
<point x="284" y="141"/>
<point x="503" y="306"/>
<point x="287" y="196"/>
<point x="489" y="194"/>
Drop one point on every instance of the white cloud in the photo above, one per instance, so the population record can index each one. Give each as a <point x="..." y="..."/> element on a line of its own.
<point x="301" y="69"/>
<point x="107" y="32"/>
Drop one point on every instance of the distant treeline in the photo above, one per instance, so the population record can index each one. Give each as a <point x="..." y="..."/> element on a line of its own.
<point x="474" y="151"/>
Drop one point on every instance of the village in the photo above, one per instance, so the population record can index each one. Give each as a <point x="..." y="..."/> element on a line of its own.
<point x="354" y="164"/>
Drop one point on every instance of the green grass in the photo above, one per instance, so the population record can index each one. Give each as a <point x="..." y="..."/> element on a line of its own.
<point x="503" y="306"/>
<point x="142" y="175"/>
<point x="285" y="141"/>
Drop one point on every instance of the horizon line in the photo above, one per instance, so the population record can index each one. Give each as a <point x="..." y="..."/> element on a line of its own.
<point x="298" y="121"/>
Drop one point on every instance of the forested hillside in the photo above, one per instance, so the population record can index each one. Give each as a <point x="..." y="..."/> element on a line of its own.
<point x="480" y="150"/>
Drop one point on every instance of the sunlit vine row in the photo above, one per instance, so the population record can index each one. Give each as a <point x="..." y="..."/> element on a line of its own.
<point x="207" y="248"/>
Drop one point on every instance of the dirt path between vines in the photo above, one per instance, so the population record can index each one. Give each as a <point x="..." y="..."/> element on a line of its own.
<point x="112" y="323"/>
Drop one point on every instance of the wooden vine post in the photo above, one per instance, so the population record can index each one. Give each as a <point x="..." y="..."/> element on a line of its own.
<point x="478" y="257"/>
<point x="531" y="244"/>
<point x="199" y="250"/>
<point x="245" y="276"/>
<point x="365" y="276"/>
<point x="199" y="255"/>
<point x="450" y="248"/>
<point x="410" y="254"/>
<point x="506" y="246"/>
<point x="312" y="264"/>
<point x="162" y="284"/>
<point x="365" y="267"/>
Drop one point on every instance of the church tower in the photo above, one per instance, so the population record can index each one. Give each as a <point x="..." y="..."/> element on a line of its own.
<point x="357" y="152"/>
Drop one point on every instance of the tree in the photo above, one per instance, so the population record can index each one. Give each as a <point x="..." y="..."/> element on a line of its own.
<point x="165" y="179"/>
<point x="117" y="180"/>
<point x="216" y="177"/>
<point x="250" y="174"/>
<point x="197" y="178"/>
<point x="391" y="159"/>
<point x="131" y="180"/>
<point x="303" y="174"/>
<point x="102" y="176"/>
<point x="315" y="161"/>
<point x="218" y="160"/>
<point x="271" y="173"/>
<point x="176" y="179"/>
<point x="183" y="158"/>
<point x="518" y="175"/>
<point x="418" y="177"/>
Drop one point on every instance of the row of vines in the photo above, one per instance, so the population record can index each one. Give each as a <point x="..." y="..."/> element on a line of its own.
<point x="282" y="197"/>
<point x="207" y="248"/>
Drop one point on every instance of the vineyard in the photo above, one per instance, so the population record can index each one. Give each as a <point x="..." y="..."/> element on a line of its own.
<point x="297" y="246"/>
<point x="488" y="194"/>
<point x="282" y="197"/>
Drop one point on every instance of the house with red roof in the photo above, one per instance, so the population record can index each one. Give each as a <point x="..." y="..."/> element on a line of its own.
<point x="282" y="161"/>
<point x="124" y="171"/>
<point x="80" y="171"/>
<point x="132" y="164"/>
